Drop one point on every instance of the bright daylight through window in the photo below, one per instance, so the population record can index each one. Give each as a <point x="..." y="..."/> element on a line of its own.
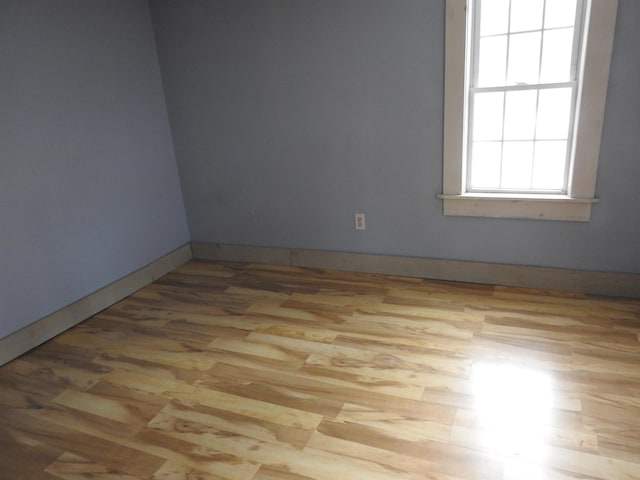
<point x="524" y="101"/>
<point x="522" y="94"/>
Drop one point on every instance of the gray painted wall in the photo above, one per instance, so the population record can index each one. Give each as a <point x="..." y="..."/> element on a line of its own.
<point x="89" y="190"/>
<point x="290" y="115"/>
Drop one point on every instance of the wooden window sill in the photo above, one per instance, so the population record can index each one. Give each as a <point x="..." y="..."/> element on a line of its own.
<point x="529" y="206"/>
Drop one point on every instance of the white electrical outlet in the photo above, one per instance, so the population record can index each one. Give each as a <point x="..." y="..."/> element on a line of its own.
<point x="359" y="221"/>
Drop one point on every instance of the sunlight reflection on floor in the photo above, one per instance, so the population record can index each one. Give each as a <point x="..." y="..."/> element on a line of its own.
<point x="514" y="407"/>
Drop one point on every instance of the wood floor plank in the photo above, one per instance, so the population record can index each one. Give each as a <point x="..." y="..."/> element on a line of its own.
<point x="386" y="325"/>
<point x="404" y="428"/>
<point x="236" y="371"/>
<point x="15" y="447"/>
<point x="271" y="453"/>
<point x="400" y="462"/>
<point x="469" y="431"/>
<point x="278" y="472"/>
<point x="176" y="471"/>
<point x="75" y="467"/>
<point x="194" y="450"/>
<point x="121" y="364"/>
<point x="285" y="390"/>
<point x="317" y="395"/>
<point x="100" y="405"/>
<point x="394" y="383"/>
<point x="281" y="353"/>
<point x="38" y="430"/>
<point x="456" y="460"/>
<point x="240" y="424"/>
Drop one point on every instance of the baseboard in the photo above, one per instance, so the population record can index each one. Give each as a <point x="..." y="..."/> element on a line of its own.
<point x="596" y="283"/>
<point x="31" y="336"/>
<point x="581" y="281"/>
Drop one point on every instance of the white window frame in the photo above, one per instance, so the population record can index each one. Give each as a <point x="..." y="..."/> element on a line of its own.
<point x="592" y="91"/>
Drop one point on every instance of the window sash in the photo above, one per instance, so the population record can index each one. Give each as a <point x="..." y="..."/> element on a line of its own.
<point x="472" y="90"/>
<point x="568" y="139"/>
<point x="595" y="60"/>
<point x="473" y="28"/>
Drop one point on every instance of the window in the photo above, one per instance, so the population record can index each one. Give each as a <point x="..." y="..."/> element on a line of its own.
<point x="525" y="88"/>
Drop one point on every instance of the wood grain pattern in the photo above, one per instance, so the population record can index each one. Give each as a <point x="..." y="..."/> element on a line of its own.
<point x="230" y="371"/>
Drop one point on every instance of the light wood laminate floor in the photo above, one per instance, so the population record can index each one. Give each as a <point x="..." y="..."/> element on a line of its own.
<point x="257" y="372"/>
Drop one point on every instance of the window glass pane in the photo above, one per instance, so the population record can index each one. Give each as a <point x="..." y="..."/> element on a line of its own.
<point x="517" y="158"/>
<point x="520" y="115"/>
<point x="554" y="113"/>
<point x="487" y="116"/>
<point x="494" y="17"/>
<point x="556" y="56"/>
<point x="485" y="166"/>
<point x="492" y="61"/>
<point x="526" y="15"/>
<point x="520" y="138"/>
<point x="560" y="13"/>
<point x="524" y="58"/>
<point x="549" y="165"/>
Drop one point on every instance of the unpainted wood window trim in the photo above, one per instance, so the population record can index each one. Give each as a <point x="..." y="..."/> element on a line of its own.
<point x="576" y="204"/>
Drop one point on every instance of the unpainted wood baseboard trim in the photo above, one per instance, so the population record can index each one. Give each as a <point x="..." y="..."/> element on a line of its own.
<point x="581" y="281"/>
<point x="31" y="336"/>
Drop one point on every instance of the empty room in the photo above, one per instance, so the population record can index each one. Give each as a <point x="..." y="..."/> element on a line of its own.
<point x="319" y="239"/>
